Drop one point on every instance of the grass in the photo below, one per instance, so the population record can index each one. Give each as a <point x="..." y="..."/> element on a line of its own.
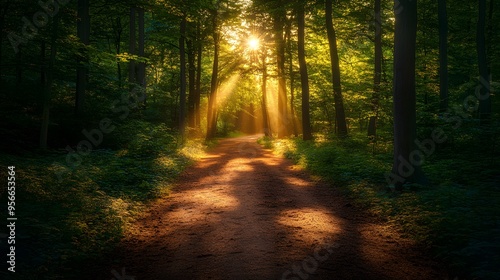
<point x="457" y="216"/>
<point x="69" y="216"/>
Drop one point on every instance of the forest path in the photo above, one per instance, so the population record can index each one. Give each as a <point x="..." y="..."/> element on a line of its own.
<point x="243" y="213"/>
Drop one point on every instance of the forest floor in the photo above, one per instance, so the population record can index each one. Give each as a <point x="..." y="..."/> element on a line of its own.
<point x="243" y="213"/>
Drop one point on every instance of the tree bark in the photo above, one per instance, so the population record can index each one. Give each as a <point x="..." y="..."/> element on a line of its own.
<point x="182" y="96"/>
<point x="47" y="90"/>
<point x="407" y="159"/>
<point x="265" y="114"/>
<point x="132" y="48"/>
<point x="334" y="56"/>
<point x="443" y="55"/>
<point x="141" y="69"/>
<point x="291" y="74"/>
<point x="377" y="77"/>
<point x="197" y="99"/>
<point x="304" y="77"/>
<point x="82" y="72"/>
<point x="283" y="120"/>
<point x="484" y="93"/>
<point x="192" y="86"/>
<point x="212" y="100"/>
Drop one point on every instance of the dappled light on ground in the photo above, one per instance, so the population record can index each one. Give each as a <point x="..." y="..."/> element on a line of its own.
<point x="242" y="213"/>
<point x="311" y="225"/>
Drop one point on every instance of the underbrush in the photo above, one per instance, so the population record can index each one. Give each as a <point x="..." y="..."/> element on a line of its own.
<point x="456" y="216"/>
<point x="74" y="212"/>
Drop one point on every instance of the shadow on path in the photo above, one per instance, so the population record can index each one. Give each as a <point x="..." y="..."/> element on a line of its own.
<point x="243" y="213"/>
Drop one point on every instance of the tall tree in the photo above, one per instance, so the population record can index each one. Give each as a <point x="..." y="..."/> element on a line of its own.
<point x="82" y="72"/>
<point x="304" y="77"/>
<point x="199" y="62"/>
<point x="182" y="96"/>
<point x="191" y="53"/>
<point x="443" y="55"/>
<point x="407" y="162"/>
<point x="132" y="45"/>
<point x="141" y="68"/>
<point x="334" y="57"/>
<point x="212" y="99"/>
<point x="265" y="114"/>
<point x="377" y="77"/>
<point x="47" y="82"/>
<point x="291" y="72"/>
<point x="484" y="93"/>
<point x="279" y="15"/>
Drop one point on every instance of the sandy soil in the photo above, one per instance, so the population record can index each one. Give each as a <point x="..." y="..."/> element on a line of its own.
<point x="243" y="213"/>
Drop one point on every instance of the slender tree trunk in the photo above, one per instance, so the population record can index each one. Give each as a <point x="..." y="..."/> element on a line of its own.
<point x="372" y="127"/>
<point x="265" y="114"/>
<point x="443" y="55"/>
<point x="288" y="36"/>
<point x="283" y="120"/>
<point x="192" y="86"/>
<point x="141" y="69"/>
<point x="197" y="99"/>
<point x="212" y="100"/>
<point x="334" y="56"/>
<point x="132" y="48"/>
<point x="47" y="90"/>
<point x="82" y="72"/>
<point x="118" y="40"/>
<point x="304" y="77"/>
<point x="484" y="92"/>
<point x="182" y="96"/>
<point x="407" y="160"/>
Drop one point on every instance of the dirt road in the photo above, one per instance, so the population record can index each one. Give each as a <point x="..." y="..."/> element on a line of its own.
<point x="243" y="213"/>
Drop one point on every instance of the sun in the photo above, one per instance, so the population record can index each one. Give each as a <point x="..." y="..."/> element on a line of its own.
<point x="253" y="43"/>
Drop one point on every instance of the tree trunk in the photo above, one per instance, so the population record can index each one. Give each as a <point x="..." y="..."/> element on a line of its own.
<point x="47" y="90"/>
<point x="141" y="69"/>
<point x="377" y="77"/>
<point x="484" y="93"/>
<point x="407" y="159"/>
<point x="182" y="96"/>
<point x="197" y="99"/>
<point x="443" y="55"/>
<point x="132" y="48"/>
<point x="212" y="100"/>
<point x="82" y="72"/>
<point x="118" y="41"/>
<point x="288" y="38"/>
<point x="280" y="59"/>
<point x="265" y="114"/>
<point x="192" y="85"/>
<point x="334" y="56"/>
<point x="304" y="77"/>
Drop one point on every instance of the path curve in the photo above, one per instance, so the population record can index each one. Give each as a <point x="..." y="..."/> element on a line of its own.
<point x="243" y="213"/>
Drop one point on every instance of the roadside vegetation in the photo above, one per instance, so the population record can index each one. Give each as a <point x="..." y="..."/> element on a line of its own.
<point x="456" y="215"/>
<point x="72" y="215"/>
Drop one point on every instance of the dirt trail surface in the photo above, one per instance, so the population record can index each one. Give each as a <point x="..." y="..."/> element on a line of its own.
<point x="244" y="213"/>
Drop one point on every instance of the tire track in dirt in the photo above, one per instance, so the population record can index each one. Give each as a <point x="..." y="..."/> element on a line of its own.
<point x="243" y="213"/>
